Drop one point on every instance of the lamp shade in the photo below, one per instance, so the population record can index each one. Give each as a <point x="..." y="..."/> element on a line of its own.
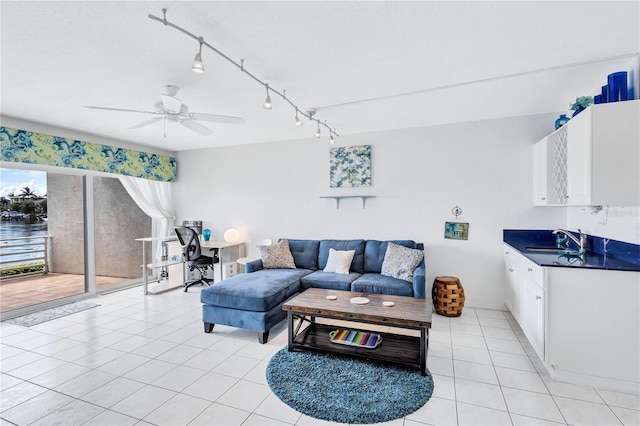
<point x="197" y="65"/>
<point x="231" y="235"/>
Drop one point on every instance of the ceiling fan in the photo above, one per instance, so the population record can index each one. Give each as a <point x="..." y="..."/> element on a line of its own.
<point x="170" y="108"/>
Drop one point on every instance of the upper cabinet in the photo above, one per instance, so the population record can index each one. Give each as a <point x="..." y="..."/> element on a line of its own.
<point x="594" y="159"/>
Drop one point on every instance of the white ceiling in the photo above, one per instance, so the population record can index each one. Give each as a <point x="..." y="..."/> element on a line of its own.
<point x="367" y="66"/>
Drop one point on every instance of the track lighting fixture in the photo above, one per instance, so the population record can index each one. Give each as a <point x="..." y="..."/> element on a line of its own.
<point x="298" y="122"/>
<point x="267" y="100"/>
<point x="331" y="140"/>
<point x="198" y="66"/>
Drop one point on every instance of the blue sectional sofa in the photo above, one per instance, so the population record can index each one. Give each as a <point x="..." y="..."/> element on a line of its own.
<point x="254" y="300"/>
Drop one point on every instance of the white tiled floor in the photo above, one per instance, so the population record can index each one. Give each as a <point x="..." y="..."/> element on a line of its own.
<point x="146" y="360"/>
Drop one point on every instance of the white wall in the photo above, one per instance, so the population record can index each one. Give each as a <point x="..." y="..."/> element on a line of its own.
<point x="618" y="223"/>
<point x="418" y="175"/>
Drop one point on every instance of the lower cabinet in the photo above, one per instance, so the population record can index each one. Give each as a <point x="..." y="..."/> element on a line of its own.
<point x="583" y="323"/>
<point x="524" y="297"/>
<point x="533" y="316"/>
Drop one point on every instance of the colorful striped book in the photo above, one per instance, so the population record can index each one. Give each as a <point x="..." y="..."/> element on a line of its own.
<point x="362" y="339"/>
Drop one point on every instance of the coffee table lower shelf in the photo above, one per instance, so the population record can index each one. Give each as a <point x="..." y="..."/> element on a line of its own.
<point x="395" y="348"/>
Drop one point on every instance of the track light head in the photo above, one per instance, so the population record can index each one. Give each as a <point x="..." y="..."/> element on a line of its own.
<point x="318" y="132"/>
<point x="298" y="122"/>
<point x="331" y="140"/>
<point x="267" y="101"/>
<point x="197" y="65"/>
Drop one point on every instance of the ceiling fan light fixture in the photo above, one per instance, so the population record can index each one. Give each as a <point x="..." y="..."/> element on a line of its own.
<point x="197" y="65"/>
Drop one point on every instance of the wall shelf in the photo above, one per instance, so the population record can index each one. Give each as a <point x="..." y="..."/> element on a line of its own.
<point x="340" y="197"/>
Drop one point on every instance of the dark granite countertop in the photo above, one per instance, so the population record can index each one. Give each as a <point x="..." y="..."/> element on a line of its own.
<point x="602" y="253"/>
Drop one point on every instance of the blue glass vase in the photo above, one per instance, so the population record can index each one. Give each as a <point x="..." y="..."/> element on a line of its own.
<point x="617" y="86"/>
<point x="206" y="234"/>
<point x="562" y="120"/>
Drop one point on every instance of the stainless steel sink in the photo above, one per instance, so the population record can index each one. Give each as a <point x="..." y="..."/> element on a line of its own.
<point x="559" y="251"/>
<point x="545" y="249"/>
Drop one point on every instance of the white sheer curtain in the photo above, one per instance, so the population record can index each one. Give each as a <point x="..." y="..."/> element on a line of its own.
<point x="156" y="200"/>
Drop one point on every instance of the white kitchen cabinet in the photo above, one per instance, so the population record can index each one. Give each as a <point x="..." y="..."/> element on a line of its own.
<point x="513" y="276"/>
<point x="600" y="164"/>
<point x="525" y="296"/>
<point x="550" y="169"/>
<point x="541" y="169"/>
<point x="583" y="323"/>
<point x="533" y="315"/>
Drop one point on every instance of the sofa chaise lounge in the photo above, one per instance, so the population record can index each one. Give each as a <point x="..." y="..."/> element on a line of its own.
<point x="254" y="300"/>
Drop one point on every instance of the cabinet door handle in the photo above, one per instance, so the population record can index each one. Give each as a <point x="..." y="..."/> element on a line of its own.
<point x="543" y="198"/>
<point x="510" y="269"/>
<point x="538" y="297"/>
<point x="529" y="269"/>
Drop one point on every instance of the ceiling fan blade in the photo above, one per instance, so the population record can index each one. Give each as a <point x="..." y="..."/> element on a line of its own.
<point x="146" y="122"/>
<point x="196" y="127"/>
<point x="216" y="118"/>
<point x="171" y="104"/>
<point x="122" y="109"/>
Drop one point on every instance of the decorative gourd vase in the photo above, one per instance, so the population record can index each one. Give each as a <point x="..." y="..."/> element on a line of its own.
<point x="578" y="111"/>
<point x="561" y="121"/>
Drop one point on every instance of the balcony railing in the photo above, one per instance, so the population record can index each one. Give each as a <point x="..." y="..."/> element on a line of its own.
<point x="24" y="253"/>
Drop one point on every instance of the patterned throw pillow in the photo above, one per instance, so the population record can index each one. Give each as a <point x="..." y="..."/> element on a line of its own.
<point x="277" y="256"/>
<point x="339" y="261"/>
<point x="399" y="262"/>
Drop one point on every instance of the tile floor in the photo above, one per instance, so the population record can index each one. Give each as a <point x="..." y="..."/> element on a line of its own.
<point x="139" y="360"/>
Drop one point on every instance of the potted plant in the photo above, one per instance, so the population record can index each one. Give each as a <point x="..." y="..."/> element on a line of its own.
<point x="580" y="104"/>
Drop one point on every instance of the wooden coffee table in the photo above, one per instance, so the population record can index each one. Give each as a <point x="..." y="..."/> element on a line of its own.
<point x="408" y="313"/>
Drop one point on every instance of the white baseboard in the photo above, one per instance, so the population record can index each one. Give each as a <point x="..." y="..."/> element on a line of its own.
<point x="604" y="383"/>
<point x="493" y="307"/>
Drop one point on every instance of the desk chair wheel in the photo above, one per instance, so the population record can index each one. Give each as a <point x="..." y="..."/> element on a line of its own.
<point x="204" y="281"/>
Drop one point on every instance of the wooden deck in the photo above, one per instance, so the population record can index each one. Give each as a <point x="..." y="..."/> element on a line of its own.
<point x="20" y="292"/>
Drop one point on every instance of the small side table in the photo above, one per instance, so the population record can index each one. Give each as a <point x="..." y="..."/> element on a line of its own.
<point x="448" y="296"/>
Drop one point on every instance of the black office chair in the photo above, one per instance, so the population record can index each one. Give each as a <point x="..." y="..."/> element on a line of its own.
<point x="192" y="255"/>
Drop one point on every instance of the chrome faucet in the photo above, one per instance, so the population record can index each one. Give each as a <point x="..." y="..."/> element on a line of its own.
<point x="580" y="242"/>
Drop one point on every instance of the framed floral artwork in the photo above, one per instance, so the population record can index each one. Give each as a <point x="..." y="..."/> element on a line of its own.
<point x="350" y="167"/>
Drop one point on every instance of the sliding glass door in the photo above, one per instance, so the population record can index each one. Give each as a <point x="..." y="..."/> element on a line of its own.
<point x="63" y="236"/>
<point x="42" y="239"/>
<point x="118" y="221"/>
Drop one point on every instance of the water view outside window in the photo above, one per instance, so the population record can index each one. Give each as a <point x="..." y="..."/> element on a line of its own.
<point x="41" y="238"/>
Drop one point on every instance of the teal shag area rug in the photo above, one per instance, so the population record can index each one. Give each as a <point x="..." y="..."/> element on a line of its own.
<point x="39" y="317"/>
<point x="346" y="390"/>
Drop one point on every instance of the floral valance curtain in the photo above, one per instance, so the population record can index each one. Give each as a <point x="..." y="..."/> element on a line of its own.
<point x="37" y="148"/>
